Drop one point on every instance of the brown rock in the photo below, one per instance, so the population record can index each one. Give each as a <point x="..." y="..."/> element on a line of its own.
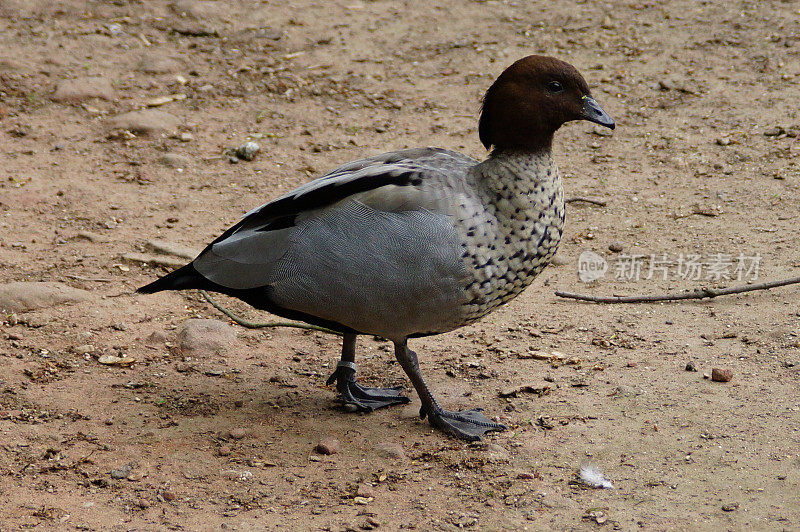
<point x="328" y="446"/>
<point x="81" y="89"/>
<point x="156" y="64"/>
<point x="721" y="375"/>
<point x="156" y="339"/>
<point x="24" y="296"/>
<point x="146" y="122"/>
<point x="199" y="337"/>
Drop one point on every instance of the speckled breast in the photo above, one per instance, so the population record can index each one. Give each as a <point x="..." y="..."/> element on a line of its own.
<point x="512" y="239"/>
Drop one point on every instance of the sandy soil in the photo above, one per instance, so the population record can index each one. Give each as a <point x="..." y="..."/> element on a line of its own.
<point x="704" y="161"/>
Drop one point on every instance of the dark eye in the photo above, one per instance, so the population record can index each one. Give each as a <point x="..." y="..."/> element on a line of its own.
<point x="555" y="86"/>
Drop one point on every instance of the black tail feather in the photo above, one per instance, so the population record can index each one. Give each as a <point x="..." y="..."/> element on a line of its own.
<point x="181" y="279"/>
<point x="187" y="277"/>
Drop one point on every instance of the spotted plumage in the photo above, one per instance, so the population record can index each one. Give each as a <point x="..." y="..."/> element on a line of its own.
<point x="414" y="242"/>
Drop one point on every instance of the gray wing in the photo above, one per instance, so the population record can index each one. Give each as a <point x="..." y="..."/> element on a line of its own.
<point x="384" y="260"/>
<point x="400" y="168"/>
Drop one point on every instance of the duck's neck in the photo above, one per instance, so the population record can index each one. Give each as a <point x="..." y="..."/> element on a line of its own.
<point x="527" y="180"/>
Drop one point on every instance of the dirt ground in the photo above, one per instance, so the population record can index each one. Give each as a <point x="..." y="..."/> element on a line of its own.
<point x="704" y="161"/>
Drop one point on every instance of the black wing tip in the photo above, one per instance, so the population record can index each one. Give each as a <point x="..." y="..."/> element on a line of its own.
<point x="181" y="279"/>
<point x="152" y="288"/>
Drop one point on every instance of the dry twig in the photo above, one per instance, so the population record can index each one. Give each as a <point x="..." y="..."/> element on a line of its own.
<point x="89" y="279"/>
<point x="576" y="199"/>
<point x="255" y="325"/>
<point x="700" y="293"/>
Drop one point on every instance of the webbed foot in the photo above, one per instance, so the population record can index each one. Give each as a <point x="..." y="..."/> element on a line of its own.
<point x="364" y="398"/>
<point x="468" y="425"/>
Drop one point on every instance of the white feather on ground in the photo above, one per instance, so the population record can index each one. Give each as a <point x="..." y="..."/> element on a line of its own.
<point x="592" y="476"/>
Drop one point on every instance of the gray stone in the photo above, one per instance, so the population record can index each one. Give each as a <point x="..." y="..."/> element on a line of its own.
<point x="121" y="473"/>
<point x="187" y="9"/>
<point x="152" y="260"/>
<point x="496" y="453"/>
<point x="81" y="89"/>
<point x="8" y="63"/>
<point x="170" y="248"/>
<point x="146" y="122"/>
<point x="202" y="337"/>
<point x="91" y="237"/>
<point x="390" y="450"/>
<point x="175" y="160"/>
<point x="24" y="296"/>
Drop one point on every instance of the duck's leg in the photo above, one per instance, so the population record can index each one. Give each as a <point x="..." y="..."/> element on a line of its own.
<point x="466" y="424"/>
<point x="351" y="393"/>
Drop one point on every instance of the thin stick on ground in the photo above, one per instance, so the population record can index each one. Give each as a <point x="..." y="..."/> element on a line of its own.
<point x="577" y="199"/>
<point x="255" y="325"/>
<point x="700" y="293"/>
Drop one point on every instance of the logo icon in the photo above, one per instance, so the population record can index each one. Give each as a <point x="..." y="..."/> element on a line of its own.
<point x="591" y="266"/>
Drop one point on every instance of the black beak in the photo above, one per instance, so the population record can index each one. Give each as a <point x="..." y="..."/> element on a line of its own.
<point x="594" y="113"/>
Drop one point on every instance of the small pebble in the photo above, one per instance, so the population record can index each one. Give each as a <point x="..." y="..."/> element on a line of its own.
<point x="721" y="375"/>
<point x="327" y="446"/>
<point x="730" y="507"/>
<point x="121" y="472"/>
<point x="225" y="450"/>
<point x="616" y="247"/>
<point x="602" y="131"/>
<point x="238" y="433"/>
<point x="365" y="490"/>
<point x="83" y="349"/>
<point x="690" y="366"/>
<point x="168" y="495"/>
<point x="247" y="151"/>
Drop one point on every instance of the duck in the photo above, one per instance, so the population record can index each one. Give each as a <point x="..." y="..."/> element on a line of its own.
<point x="411" y="243"/>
